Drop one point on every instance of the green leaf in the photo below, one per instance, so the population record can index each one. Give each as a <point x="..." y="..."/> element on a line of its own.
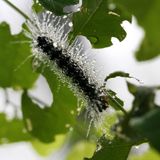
<point x="147" y="13"/>
<point x="57" y="6"/>
<point x="45" y="123"/>
<point x="46" y="149"/>
<point x="132" y="88"/>
<point x="98" y="23"/>
<point x="81" y="149"/>
<point x="116" y="149"/>
<point x="144" y="99"/>
<point x="114" y="101"/>
<point x="143" y="104"/>
<point x="148" y="125"/>
<point x="12" y="54"/>
<point x="39" y="122"/>
<point x="12" y="130"/>
<point x="117" y="74"/>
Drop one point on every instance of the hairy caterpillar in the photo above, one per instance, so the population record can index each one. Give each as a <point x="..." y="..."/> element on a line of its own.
<point x="49" y="34"/>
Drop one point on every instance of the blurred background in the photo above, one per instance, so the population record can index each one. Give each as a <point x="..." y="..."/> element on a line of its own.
<point x="120" y="56"/>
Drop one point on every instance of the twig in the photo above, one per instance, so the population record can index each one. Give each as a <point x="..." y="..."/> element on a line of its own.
<point x="17" y="9"/>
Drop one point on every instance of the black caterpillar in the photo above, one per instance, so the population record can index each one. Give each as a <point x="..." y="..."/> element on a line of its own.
<point x="50" y="35"/>
<point x="72" y="70"/>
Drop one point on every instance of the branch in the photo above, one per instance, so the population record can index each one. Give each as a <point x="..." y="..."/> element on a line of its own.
<point x="16" y="9"/>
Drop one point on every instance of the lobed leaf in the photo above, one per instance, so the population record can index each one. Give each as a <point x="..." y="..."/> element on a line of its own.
<point x="148" y="14"/>
<point x="45" y="123"/>
<point x="98" y="23"/>
<point x="13" y="52"/>
<point x="12" y="130"/>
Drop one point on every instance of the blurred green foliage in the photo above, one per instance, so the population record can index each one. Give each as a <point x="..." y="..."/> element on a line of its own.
<point x="13" y="52"/>
<point x="148" y="15"/>
<point x="98" y="23"/>
<point x="51" y="127"/>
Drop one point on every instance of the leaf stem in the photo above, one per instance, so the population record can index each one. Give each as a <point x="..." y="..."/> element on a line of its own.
<point x="16" y="9"/>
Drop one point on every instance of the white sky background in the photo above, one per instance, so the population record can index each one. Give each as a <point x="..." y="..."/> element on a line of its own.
<point x="118" y="57"/>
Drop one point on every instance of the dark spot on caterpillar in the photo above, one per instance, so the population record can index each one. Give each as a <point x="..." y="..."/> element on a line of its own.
<point x="72" y="70"/>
